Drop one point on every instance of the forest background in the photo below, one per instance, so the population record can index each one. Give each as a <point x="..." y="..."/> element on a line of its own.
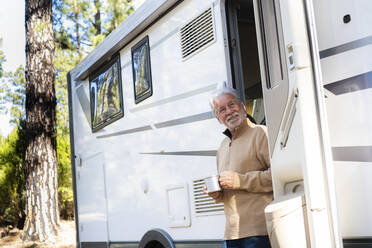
<point x="79" y="26"/>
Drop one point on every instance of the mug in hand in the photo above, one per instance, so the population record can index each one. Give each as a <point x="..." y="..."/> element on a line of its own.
<point x="212" y="184"/>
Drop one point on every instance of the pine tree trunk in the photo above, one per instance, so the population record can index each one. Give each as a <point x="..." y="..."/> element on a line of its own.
<point x="42" y="214"/>
<point x="97" y="17"/>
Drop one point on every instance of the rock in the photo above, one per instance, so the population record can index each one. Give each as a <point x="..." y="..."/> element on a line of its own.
<point x="4" y="233"/>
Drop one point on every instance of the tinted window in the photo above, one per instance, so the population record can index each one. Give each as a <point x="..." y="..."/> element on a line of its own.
<point x="106" y="102"/>
<point x="141" y="70"/>
<point x="271" y="43"/>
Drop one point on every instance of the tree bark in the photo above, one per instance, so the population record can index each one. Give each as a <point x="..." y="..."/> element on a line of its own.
<point x="97" y="17"/>
<point x="76" y="19"/>
<point x="42" y="214"/>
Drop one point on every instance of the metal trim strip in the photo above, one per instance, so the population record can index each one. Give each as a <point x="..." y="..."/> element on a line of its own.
<point x="72" y="151"/>
<point x="174" y="98"/>
<point x="199" y="244"/>
<point x="124" y="244"/>
<point x="357" y="242"/>
<point x="346" y="47"/>
<point x="94" y="244"/>
<point x="185" y="120"/>
<point x="212" y="153"/>
<point x="352" y="153"/>
<point x="129" y="131"/>
<point x="352" y="84"/>
<point x="178" y="244"/>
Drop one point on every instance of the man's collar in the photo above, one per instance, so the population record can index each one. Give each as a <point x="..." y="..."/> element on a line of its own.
<point x="245" y="123"/>
<point x="227" y="133"/>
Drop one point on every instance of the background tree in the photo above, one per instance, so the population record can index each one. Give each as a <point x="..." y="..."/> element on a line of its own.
<point x="74" y="13"/>
<point x="42" y="215"/>
<point x="12" y="180"/>
<point x="12" y="97"/>
<point x="12" y="148"/>
<point x="2" y="58"/>
<point x="117" y="11"/>
<point x="96" y="19"/>
<point x="65" y="60"/>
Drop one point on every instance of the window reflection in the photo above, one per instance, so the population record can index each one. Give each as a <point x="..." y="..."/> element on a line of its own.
<point x="141" y="70"/>
<point x="105" y="95"/>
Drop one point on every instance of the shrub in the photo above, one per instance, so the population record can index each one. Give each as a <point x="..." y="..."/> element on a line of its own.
<point x="12" y="180"/>
<point x="65" y="194"/>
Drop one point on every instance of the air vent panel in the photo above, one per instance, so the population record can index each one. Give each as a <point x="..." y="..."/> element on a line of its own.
<point x="197" y="34"/>
<point x="204" y="204"/>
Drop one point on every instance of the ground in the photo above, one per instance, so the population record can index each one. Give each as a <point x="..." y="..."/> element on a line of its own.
<point x="66" y="238"/>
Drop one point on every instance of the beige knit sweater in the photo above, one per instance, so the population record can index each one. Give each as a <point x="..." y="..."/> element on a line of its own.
<point x="247" y="154"/>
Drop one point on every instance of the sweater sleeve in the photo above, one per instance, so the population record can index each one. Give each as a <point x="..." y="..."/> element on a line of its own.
<point x="257" y="181"/>
<point x="219" y="199"/>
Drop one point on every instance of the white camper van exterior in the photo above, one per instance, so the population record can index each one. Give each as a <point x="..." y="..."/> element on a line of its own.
<point x="143" y="136"/>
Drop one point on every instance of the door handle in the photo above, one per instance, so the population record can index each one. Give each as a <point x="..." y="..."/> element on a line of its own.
<point x="288" y="118"/>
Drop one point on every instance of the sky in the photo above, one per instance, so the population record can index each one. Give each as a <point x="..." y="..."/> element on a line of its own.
<point x="12" y="31"/>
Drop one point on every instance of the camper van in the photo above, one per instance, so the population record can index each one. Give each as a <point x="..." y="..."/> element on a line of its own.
<point x="144" y="138"/>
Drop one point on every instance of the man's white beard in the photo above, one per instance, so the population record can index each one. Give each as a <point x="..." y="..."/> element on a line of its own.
<point x="234" y="120"/>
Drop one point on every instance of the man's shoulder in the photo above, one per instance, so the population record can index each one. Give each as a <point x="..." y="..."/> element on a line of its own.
<point x="261" y="133"/>
<point x="261" y="128"/>
<point x="257" y="132"/>
<point x="225" y="141"/>
<point x="256" y="127"/>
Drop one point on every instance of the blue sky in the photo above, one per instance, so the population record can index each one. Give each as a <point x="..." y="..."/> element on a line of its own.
<point x="13" y="33"/>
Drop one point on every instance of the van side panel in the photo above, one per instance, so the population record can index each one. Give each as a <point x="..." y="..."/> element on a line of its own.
<point x="345" y="43"/>
<point x="154" y="157"/>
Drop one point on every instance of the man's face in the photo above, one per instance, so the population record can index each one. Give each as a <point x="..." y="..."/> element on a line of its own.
<point x="229" y="111"/>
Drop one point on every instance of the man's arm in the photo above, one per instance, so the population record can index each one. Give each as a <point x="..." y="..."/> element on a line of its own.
<point x="254" y="181"/>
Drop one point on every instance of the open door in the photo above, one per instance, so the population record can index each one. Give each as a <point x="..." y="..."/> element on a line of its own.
<point x="298" y="141"/>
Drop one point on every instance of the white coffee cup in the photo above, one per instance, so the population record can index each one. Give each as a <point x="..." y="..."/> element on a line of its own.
<point x="212" y="183"/>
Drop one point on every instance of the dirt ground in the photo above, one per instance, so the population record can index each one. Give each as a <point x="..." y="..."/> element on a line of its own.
<point x="66" y="238"/>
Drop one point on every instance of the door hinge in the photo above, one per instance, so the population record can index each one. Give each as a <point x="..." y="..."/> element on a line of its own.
<point x="233" y="43"/>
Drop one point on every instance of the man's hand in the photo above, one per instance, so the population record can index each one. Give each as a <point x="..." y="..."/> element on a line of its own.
<point x="214" y="195"/>
<point x="227" y="179"/>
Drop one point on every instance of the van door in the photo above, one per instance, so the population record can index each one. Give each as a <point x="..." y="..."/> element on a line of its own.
<point x="300" y="155"/>
<point x="91" y="199"/>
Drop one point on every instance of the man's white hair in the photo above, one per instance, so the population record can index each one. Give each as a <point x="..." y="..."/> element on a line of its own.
<point x="222" y="91"/>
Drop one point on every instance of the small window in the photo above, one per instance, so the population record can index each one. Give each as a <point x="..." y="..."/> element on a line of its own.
<point x="271" y="40"/>
<point x="106" y="101"/>
<point x="141" y="67"/>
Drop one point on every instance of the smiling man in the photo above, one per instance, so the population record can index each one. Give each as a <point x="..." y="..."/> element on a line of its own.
<point x="244" y="173"/>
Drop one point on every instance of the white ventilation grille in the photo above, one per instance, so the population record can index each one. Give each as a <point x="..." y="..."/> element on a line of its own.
<point x="196" y="34"/>
<point x="204" y="205"/>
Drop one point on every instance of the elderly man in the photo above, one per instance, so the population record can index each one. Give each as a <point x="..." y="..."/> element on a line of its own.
<point x="244" y="173"/>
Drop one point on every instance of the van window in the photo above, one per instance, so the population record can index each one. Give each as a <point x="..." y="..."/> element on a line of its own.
<point x="106" y="98"/>
<point x="276" y="86"/>
<point x="141" y="67"/>
<point x="271" y="43"/>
